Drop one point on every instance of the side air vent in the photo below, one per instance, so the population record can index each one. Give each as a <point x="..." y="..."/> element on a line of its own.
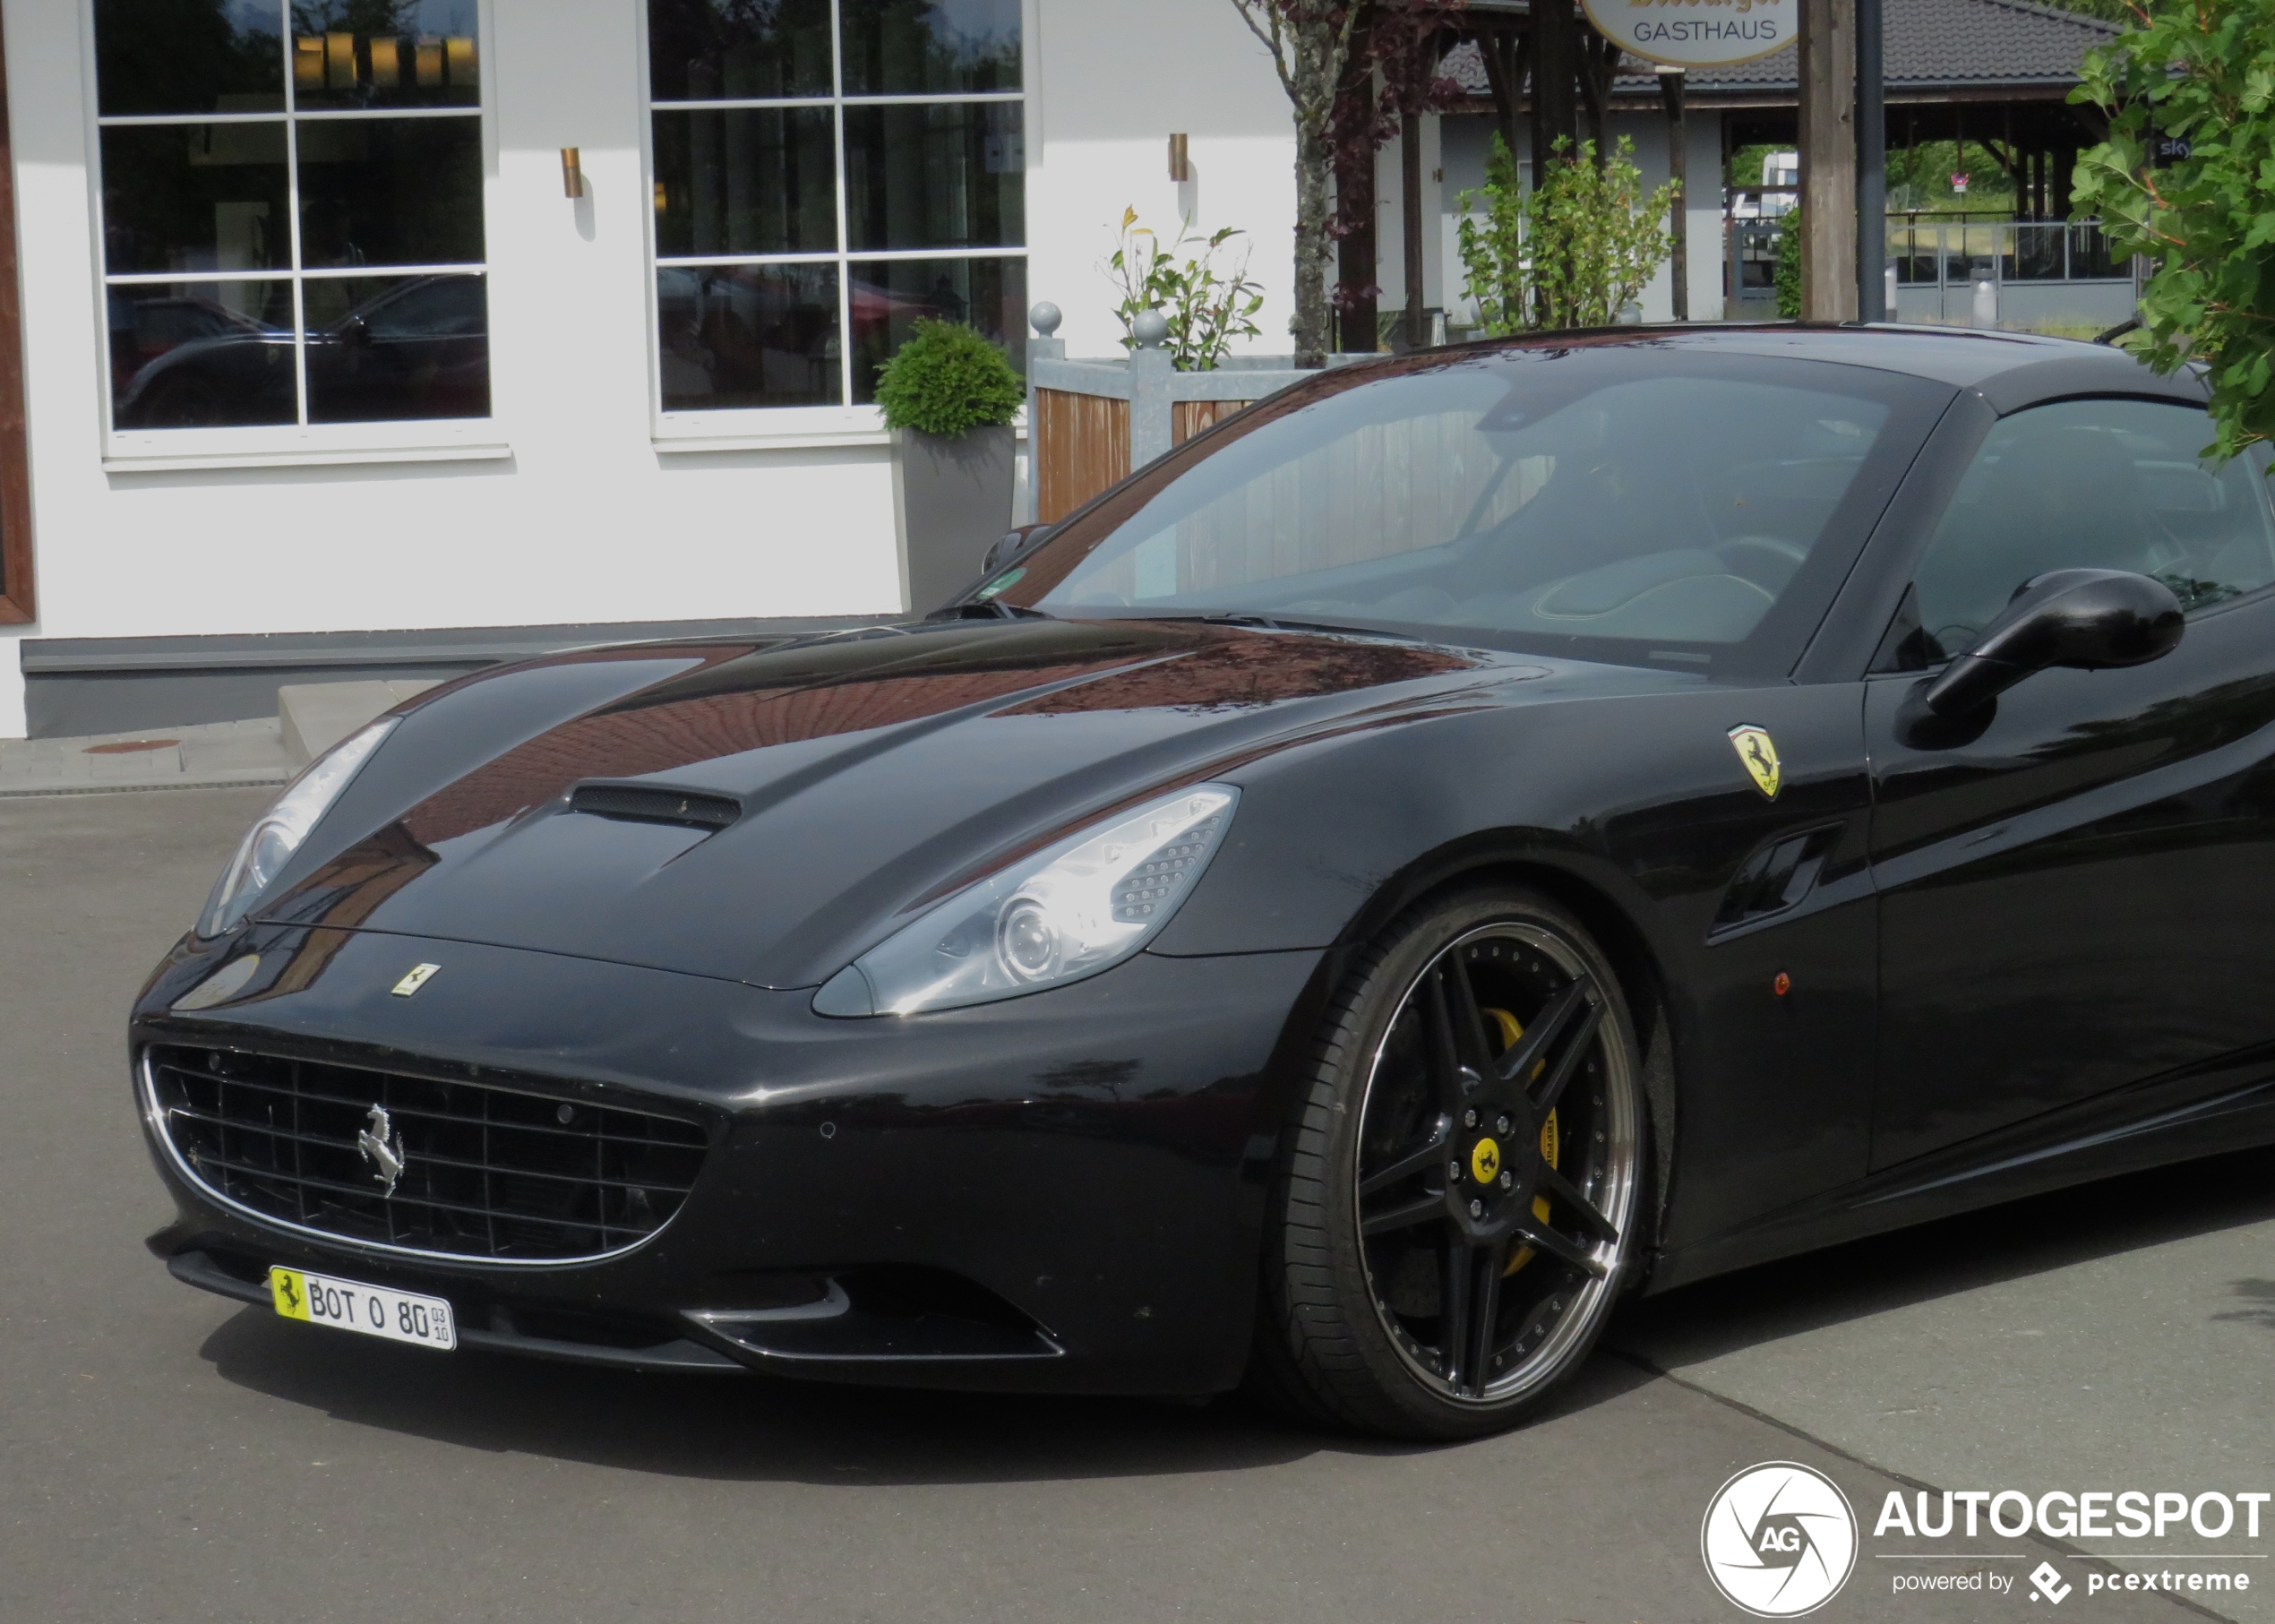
<point x="1777" y="876"/>
<point x="648" y="804"/>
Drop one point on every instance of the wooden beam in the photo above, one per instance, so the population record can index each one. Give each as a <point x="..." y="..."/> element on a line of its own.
<point x="1670" y="92"/>
<point x="1828" y="161"/>
<point x="1555" y="74"/>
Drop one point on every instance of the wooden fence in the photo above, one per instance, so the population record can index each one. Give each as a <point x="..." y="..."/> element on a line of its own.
<point x="1091" y="422"/>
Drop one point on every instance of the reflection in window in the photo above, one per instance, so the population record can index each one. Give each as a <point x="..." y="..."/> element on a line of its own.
<point x="1497" y="495"/>
<point x="756" y="180"/>
<point x="217" y="316"/>
<point x="2102" y="484"/>
<point x="749" y="335"/>
<point x="945" y="175"/>
<point x="931" y="193"/>
<point x="924" y="48"/>
<point x="383" y="348"/>
<point x="425" y="55"/>
<point x="221" y="56"/>
<point x="710" y="50"/>
<point x="889" y="297"/>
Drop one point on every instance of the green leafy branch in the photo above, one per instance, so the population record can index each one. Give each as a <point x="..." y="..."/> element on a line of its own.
<point x="2202" y="71"/>
<point x="1207" y="307"/>
<point x="1574" y="252"/>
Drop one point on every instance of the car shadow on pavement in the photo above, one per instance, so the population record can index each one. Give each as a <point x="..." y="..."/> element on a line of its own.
<point x="1909" y="1266"/>
<point x="771" y="1430"/>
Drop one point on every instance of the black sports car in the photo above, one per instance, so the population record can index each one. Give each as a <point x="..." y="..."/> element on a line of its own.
<point x="1471" y="836"/>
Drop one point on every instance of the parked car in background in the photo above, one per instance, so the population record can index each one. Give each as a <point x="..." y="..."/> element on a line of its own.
<point x="417" y="349"/>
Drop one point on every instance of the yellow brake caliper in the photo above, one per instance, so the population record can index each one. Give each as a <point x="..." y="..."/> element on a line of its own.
<point x="1510" y="1032"/>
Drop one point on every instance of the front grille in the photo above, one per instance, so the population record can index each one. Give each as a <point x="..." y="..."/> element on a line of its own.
<point x="486" y="1172"/>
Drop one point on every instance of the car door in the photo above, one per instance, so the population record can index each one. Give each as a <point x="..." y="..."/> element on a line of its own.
<point x="2076" y="887"/>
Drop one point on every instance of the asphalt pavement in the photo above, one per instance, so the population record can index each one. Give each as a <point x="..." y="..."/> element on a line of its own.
<point x="168" y="1455"/>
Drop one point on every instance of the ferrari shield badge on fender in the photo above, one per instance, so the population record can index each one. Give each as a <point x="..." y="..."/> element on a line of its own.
<point x="1758" y="751"/>
<point x="420" y="974"/>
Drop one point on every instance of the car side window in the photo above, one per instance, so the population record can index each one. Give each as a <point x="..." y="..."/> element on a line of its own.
<point x="2110" y="485"/>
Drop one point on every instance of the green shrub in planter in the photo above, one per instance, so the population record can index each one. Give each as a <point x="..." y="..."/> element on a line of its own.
<point x="949" y="380"/>
<point x="949" y="397"/>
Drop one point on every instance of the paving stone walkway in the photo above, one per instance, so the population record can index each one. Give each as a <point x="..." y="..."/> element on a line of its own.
<point x="209" y="755"/>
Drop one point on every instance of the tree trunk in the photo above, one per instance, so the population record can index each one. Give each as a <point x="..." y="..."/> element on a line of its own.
<point x="1356" y="269"/>
<point x="1314" y="246"/>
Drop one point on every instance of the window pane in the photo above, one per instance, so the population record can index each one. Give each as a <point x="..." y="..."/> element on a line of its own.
<point x="195" y="197"/>
<point x="946" y="176"/>
<point x="889" y="297"/>
<point x="758" y="182"/>
<point x="2106" y="484"/>
<point x="202" y="355"/>
<point x="1537" y="503"/>
<point x="410" y="53"/>
<point x="391" y="191"/>
<point x="190" y="56"/>
<point x="901" y="48"/>
<point x="712" y="50"/>
<point x="388" y="348"/>
<point x="751" y="335"/>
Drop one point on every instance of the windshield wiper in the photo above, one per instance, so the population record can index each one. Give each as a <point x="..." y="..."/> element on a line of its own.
<point x="993" y="608"/>
<point x="1276" y="622"/>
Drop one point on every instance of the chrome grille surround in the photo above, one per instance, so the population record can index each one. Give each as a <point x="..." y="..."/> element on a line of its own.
<point x="491" y="1174"/>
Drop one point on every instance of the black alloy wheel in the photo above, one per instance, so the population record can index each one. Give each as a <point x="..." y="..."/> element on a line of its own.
<point x="1459" y="1210"/>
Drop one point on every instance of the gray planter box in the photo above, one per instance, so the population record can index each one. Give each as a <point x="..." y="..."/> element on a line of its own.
<point x="951" y="502"/>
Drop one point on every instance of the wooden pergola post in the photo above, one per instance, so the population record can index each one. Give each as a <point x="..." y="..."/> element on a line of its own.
<point x="1828" y="160"/>
<point x="1670" y="92"/>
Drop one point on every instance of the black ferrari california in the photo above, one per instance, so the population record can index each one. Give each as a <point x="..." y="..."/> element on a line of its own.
<point x="1472" y="836"/>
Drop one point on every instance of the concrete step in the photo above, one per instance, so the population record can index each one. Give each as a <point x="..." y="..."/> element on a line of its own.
<point x="314" y="717"/>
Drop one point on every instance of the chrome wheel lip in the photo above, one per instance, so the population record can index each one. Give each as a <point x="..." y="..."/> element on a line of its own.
<point x="1618" y="1190"/>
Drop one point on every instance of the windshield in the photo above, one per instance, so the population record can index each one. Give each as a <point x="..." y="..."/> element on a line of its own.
<point x="1638" y="504"/>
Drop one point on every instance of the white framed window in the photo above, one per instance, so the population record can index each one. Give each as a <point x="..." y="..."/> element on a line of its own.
<point x="824" y="172"/>
<point x="290" y="202"/>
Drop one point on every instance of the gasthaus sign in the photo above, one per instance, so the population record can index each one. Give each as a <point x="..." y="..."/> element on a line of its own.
<point x="1695" y="33"/>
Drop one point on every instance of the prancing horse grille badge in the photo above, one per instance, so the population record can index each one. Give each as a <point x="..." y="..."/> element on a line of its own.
<point x="382" y="1147"/>
<point x="417" y="977"/>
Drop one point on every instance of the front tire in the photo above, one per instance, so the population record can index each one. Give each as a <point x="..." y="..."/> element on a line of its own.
<point x="1461" y="1203"/>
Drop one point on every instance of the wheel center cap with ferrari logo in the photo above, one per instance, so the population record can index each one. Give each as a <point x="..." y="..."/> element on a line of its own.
<point x="1485" y="1160"/>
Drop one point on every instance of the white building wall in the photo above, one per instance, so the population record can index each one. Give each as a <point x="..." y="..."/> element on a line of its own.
<point x="1116" y="83"/>
<point x="585" y="519"/>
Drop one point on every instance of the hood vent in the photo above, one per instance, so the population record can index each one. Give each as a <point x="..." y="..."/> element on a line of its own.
<point x="648" y="804"/>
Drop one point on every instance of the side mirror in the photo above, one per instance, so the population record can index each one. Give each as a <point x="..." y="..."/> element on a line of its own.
<point x="355" y="329"/>
<point x="2086" y="620"/>
<point x="1017" y="542"/>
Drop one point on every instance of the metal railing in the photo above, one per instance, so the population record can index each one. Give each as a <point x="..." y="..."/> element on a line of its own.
<point x="2008" y="251"/>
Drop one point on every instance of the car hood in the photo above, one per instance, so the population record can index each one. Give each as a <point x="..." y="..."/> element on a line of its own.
<point x="860" y="777"/>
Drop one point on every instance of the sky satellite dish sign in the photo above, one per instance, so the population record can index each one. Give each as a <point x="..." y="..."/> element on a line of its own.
<point x="1696" y="33"/>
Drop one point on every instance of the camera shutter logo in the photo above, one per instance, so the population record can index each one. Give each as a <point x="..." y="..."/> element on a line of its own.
<point x="1779" y="1540"/>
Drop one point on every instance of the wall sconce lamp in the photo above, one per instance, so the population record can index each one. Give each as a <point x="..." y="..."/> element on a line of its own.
<point x="1181" y="164"/>
<point x="572" y="173"/>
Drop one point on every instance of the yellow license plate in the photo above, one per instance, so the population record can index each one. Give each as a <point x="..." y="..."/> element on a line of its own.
<point x="368" y="1311"/>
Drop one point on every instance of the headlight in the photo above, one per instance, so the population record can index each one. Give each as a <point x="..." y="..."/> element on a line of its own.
<point x="1066" y="912"/>
<point x="284" y="826"/>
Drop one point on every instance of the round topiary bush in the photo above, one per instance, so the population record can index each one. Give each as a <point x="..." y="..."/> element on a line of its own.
<point x="949" y="379"/>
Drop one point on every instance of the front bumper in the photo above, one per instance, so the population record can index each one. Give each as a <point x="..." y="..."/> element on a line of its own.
<point x="1059" y="1192"/>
